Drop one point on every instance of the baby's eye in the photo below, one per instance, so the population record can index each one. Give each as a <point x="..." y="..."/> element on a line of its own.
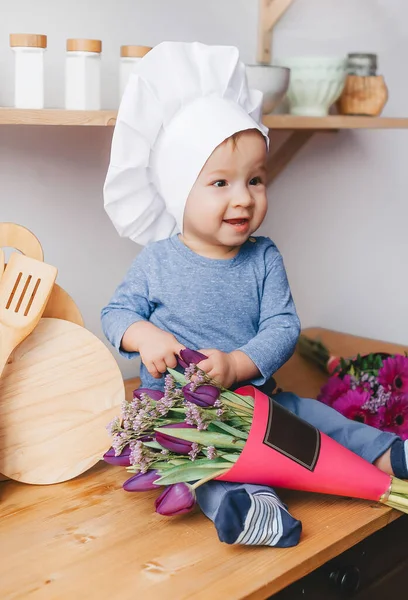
<point x="220" y="183"/>
<point x="256" y="181"/>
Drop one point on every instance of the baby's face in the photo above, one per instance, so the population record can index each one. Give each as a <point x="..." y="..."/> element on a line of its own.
<point x="228" y="200"/>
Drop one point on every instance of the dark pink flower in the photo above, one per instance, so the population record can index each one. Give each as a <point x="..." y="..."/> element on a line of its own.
<point x="394" y="416"/>
<point x="393" y="375"/>
<point x="351" y="406"/>
<point x="364" y="386"/>
<point x="334" y="388"/>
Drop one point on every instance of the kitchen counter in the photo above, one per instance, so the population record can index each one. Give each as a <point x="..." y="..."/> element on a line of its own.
<point x="88" y="539"/>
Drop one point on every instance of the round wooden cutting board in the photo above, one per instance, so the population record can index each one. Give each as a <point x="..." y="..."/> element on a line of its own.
<point x="61" y="389"/>
<point x="60" y="305"/>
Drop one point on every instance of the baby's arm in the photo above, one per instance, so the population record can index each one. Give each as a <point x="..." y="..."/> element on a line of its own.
<point x="278" y="332"/>
<point x="125" y="322"/>
<point x="279" y="325"/>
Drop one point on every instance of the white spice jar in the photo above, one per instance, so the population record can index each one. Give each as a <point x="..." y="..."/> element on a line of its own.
<point x="29" y="69"/>
<point x="129" y="57"/>
<point x="83" y="74"/>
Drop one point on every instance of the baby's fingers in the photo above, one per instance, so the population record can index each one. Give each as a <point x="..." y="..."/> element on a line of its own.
<point x="170" y="360"/>
<point x="151" y="367"/>
<point x="206" y="365"/>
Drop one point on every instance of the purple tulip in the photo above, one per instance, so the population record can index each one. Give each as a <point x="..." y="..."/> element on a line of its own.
<point x="153" y="394"/>
<point x="176" y="499"/>
<point x="188" y="357"/>
<point x="123" y="460"/>
<point x="146" y="438"/>
<point x="172" y="443"/>
<point x="203" y="395"/>
<point x="142" y="482"/>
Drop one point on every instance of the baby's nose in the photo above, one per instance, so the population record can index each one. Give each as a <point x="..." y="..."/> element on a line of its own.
<point x="243" y="198"/>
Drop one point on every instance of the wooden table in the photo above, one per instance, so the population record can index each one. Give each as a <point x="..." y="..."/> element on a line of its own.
<point x="88" y="539"/>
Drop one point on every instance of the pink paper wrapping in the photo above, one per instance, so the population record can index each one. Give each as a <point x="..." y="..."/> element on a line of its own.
<point x="329" y="469"/>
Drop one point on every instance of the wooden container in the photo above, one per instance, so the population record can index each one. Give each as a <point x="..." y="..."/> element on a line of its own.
<point x="363" y="96"/>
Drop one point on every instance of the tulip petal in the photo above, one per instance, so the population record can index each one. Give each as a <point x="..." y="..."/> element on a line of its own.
<point x="188" y="357"/>
<point x="204" y="395"/>
<point x="142" y="482"/>
<point x="153" y="394"/>
<point x="173" y="443"/>
<point x="123" y="460"/>
<point x="175" y="500"/>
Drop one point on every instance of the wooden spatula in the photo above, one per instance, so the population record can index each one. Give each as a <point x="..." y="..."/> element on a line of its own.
<point x="60" y="304"/>
<point x="25" y="287"/>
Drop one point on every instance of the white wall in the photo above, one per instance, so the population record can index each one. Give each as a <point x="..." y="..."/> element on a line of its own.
<point x="337" y="212"/>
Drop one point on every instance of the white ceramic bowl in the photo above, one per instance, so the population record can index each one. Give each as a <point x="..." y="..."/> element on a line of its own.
<point x="272" y="81"/>
<point x="316" y="82"/>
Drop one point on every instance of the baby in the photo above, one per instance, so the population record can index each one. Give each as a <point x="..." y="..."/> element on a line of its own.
<point x="213" y="286"/>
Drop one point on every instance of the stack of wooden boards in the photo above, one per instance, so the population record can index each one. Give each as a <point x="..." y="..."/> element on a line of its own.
<point x="59" y="386"/>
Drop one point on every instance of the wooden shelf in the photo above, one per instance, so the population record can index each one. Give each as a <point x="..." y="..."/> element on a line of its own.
<point x="56" y="116"/>
<point x="333" y="122"/>
<point x="61" y="117"/>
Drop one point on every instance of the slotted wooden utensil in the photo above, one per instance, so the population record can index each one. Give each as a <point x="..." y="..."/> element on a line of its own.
<point x="58" y="393"/>
<point x="25" y="287"/>
<point x="60" y="305"/>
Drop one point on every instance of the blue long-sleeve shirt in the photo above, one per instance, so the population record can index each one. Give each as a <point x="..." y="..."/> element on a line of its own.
<point x="243" y="303"/>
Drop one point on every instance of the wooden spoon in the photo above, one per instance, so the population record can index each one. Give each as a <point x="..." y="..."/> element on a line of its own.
<point x="60" y="304"/>
<point x="25" y="287"/>
<point x="61" y="389"/>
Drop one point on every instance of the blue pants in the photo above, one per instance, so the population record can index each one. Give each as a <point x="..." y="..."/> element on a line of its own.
<point x="366" y="441"/>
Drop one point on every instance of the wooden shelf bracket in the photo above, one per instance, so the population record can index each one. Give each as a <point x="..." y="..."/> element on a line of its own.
<point x="270" y="11"/>
<point x="281" y="158"/>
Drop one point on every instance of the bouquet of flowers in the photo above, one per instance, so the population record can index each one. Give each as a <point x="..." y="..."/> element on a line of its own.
<point x="196" y="431"/>
<point x="372" y="388"/>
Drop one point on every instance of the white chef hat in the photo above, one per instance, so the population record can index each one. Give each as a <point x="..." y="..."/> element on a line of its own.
<point x="181" y="102"/>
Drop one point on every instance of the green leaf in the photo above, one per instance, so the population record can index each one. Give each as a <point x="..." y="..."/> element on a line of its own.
<point x="153" y="445"/>
<point x="179" y="377"/>
<point x="231" y="430"/>
<point x="178" y="411"/>
<point x="230" y="457"/>
<point x="205" y="438"/>
<point x="161" y="465"/>
<point x="246" y="401"/>
<point x="192" y="472"/>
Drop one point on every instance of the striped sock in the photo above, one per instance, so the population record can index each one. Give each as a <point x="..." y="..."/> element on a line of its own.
<point x="267" y="522"/>
<point x="251" y="515"/>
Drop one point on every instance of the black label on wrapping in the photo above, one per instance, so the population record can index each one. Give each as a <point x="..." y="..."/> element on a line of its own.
<point x="288" y="434"/>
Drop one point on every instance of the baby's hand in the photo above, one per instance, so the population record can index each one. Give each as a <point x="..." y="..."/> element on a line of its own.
<point x="158" y="350"/>
<point x="220" y="366"/>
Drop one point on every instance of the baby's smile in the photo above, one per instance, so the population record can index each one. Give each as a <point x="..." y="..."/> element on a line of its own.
<point x="240" y="225"/>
